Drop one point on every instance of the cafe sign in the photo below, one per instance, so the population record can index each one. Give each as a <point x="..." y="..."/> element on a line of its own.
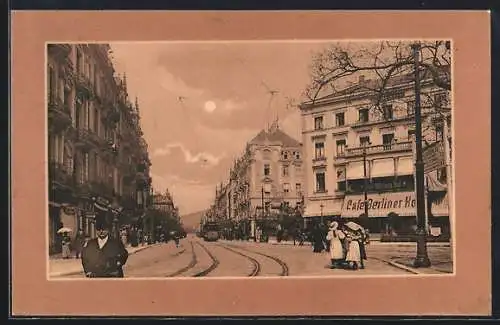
<point x="380" y="205"/>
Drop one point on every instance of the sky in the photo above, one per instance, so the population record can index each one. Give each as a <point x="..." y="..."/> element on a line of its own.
<point x="200" y="102"/>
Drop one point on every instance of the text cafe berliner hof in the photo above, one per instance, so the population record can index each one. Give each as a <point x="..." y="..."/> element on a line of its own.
<point x="388" y="213"/>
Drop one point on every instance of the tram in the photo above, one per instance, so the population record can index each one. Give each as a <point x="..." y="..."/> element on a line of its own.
<point x="210" y="231"/>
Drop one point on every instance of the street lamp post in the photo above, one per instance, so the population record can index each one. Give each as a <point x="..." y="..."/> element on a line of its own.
<point x="321" y="206"/>
<point x="422" y="258"/>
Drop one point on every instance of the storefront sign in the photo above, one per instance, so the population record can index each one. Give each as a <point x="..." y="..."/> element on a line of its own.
<point x="380" y="205"/>
<point x="433" y="157"/>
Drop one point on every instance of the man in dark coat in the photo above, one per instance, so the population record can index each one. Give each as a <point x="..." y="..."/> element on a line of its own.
<point x="104" y="256"/>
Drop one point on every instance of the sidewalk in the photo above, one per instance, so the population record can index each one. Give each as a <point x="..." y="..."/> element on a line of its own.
<point x="273" y="241"/>
<point x="59" y="266"/>
<point x="444" y="267"/>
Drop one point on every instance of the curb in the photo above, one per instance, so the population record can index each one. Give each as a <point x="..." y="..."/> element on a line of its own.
<point x="57" y="274"/>
<point x="413" y="270"/>
<point x="402" y="267"/>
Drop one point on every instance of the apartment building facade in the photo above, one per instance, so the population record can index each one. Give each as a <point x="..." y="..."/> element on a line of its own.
<point x="348" y="143"/>
<point x="98" y="161"/>
<point x="266" y="178"/>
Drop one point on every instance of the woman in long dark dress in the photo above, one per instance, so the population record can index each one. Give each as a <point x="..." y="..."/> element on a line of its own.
<point x="317" y="237"/>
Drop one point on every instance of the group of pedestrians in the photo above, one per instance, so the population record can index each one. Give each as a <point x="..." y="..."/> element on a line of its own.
<point x="345" y="245"/>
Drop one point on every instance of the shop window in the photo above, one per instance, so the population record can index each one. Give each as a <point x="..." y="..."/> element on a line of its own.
<point x="341" y="186"/>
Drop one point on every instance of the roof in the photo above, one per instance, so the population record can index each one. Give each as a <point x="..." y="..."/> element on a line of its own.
<point x="274" y="134"/>
<point x="371" y="84"/>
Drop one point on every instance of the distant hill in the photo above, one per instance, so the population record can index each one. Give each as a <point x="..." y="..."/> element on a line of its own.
<point x="192" y="220"/>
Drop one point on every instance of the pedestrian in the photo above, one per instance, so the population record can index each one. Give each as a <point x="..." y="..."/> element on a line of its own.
<point x="353" y="256"/>
<point x="363" y="240"/>
<point x="317" y="239"/>
<point x="123" y="236"/>
<point x="104" y="256"/>
<point x="66" y="246"/>
<point x="140" y="237"/>
<point x="133" y="237"/>
<point x="79" y="242"/>
<point x="335" y="237"/>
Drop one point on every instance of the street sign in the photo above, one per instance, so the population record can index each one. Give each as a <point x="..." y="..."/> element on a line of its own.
<point x="434" y="157"/>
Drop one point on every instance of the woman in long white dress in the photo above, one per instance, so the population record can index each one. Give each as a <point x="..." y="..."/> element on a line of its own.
<point x="353" y="256"/>
<point x="335" y="236"/>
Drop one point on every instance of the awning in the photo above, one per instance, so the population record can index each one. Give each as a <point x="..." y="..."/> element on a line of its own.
<point x="101" y="207"/>
<point x="380" y="205"/>
<point x="433" y="184"/>
<point x="439" y="205"/>
<point x="330" y="207"/>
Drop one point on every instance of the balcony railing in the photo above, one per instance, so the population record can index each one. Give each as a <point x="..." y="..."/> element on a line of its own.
<point x="58" y="173"/>
<point x="102" y="189"/>
<point x="85" y="138"/>
<point x="367" y="122"/>
<point x="83" y="85"/>
<point x="370" y="150"/>
<point x="58" y="112"/>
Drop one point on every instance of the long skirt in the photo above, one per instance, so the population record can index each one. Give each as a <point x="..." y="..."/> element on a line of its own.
<point x="318" y="246"/>
<point x="66" y="251"/>
<point x="353" y="252"/>
<point x="336" y="249"/>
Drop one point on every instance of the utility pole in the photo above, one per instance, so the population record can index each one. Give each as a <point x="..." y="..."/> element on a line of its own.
<point x="422" y="258"/>
<point x="321" y="206"/>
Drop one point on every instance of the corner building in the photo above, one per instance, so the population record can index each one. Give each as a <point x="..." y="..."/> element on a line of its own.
<point x="345" y="144"/>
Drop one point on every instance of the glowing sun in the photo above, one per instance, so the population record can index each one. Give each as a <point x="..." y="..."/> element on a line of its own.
<point x="210" y="106"/>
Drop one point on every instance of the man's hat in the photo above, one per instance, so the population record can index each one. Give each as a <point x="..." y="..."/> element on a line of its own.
<point x="101" y="222"/>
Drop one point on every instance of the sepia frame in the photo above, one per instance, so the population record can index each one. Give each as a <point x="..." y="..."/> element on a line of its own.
<point x="467" y="292"/>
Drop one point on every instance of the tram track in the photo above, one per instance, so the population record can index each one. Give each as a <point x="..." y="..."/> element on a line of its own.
<point x="256" y="265"/>
<point x="284" y="266"/>
<point x="194" y="261"/>
<point x="214" y="264"/>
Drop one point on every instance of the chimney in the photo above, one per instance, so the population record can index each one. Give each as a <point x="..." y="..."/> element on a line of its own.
<point x="361" y="79"/>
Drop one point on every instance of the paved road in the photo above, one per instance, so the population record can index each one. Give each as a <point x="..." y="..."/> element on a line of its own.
<point x="197" y="258"/>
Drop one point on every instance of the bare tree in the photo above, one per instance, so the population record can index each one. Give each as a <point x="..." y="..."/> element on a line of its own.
<point x="332" y="69"/>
